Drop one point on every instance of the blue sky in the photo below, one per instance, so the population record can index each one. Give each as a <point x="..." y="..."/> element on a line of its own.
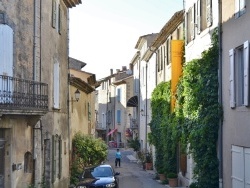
<point x="103" y="33"/>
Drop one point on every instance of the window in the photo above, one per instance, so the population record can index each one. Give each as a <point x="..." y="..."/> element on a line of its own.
<point x="204" y="15"/>
<point x="118" y="95"/>
<point x="56" y="157"/>
<point x="109" y="99"/>
<point x="89" y="112"/>
<point x="56" y="16"/>
<point x="239" y="76"/>
<point x="6" y="60"/>
<point x="118" y="117"/>
<point x="240" y="167"/>
<point x="168" y="51"/>
<point x="240" y="8"/>
<point x="56" y="84"/>
<point x="28" y="162"/>
<point x="158" y="60"/>
<point x="190" y="25"/>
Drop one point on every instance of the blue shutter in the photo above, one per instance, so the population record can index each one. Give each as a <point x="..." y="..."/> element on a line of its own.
<point x="232" y="86"/>
<point x="119" y="95"/>
<point x="246" y="73"/>
<point x="6" y="50"/>
<point x="56" y="84"/>
<point x="118" y="117"/>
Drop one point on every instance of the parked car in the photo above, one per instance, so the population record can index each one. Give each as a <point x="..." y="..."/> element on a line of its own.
<point x="101" y="176"/>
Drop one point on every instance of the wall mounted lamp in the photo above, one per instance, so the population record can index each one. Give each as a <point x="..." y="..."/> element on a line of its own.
<point x="77" y="95"/>
<point x="142" y="112"/>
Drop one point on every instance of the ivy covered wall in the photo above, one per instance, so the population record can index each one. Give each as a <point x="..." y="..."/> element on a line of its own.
<point x="195" y="120"/>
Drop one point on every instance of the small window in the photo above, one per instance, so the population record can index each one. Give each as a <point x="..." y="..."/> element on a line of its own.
<point x="118" y="95"/>
<point x="56" y="85"/>
<point x="118" y="117"/>
<point x="28" y="162"/>
<point x="239" y="76"/>
<point x="240" y="8"/>
<point x="190" y="18"/>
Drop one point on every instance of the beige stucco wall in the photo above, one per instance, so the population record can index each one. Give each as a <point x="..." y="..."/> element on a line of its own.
<point x="236" y="121"/>
<point x="54" y="47"/>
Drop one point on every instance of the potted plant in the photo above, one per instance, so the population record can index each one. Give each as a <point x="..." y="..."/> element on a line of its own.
<point x="161" y="174"/>
<point x="149" y="161"/>
<point x="172" y="179"/>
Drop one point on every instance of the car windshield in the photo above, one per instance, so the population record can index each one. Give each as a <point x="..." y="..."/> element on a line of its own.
<point x="98" y="172"/>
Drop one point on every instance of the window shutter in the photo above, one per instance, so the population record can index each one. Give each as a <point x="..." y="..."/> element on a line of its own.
<point x="53" y="13"/>
<point x="56" y="84"/>
<point x="6" y="50"/>
<point x="53" y="159"/>
<point x="242" y="7"/>
<point x="59" y="19"/>
<point x="60" y="158"/>
<point x="231" y="79"/>
<point x="246" y="73"/>
<point x="237" y="166"/>
<point x="118" y="116"/>
<point x="198" y="16"/>
<point x="192" y="24"/>
<point x="186" y="28"/>
<point x="209" y="13"/>
<point x="119" y="95"/>
<point x="247" y="167"/>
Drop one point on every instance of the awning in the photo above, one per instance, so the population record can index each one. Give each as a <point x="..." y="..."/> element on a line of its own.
<point x="112" y="131"/>
<point x="133" y="102"/>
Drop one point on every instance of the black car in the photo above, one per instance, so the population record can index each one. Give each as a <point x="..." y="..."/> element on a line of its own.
<point x="101" y="176"/>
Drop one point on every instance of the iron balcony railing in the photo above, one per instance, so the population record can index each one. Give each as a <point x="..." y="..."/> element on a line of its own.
<point x="133" y="123"/>
<point x="16" y="93"/>
<point x="100" y="126"/>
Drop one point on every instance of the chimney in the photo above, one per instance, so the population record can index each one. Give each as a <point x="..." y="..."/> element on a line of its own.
<point x="124" y="68"/>
<point x="111" y="71"/>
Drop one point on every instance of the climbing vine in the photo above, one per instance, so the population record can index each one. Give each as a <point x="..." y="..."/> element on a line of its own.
<point x="195" y="120"/>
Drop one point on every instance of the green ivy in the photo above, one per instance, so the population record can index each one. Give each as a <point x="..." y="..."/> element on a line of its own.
<point x="87" y="151"/>
<point x="195" y="119"/>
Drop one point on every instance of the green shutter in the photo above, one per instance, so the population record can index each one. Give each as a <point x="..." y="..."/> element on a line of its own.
<point x="60" y="158"/>
<point x="53" y="13"/>
<point x="53" y="158"/>
<point x="59" y="19"/>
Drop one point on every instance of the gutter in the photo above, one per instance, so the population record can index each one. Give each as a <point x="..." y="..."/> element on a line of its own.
<point x="220" y="133"/>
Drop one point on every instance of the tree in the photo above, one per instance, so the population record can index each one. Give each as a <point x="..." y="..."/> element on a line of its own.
<point x="87" y="151"/>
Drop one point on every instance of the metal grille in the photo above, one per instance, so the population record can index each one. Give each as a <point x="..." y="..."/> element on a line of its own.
<point x="19" y="93"/>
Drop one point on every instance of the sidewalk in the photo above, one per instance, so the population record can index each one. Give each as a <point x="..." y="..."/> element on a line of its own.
<point x="132" y="159"/>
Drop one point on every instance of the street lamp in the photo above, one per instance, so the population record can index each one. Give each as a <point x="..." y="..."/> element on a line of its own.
<point x="142" y="112"/>
<point x="77" y="95"/>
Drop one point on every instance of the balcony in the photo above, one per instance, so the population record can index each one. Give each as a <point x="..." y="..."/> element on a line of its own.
<point x="100" y="126"/>
<point x="19" y="96"/>
<point x="133" y="123"/>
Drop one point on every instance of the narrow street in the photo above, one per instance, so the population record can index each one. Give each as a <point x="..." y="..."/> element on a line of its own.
<point x="132" y="174"/>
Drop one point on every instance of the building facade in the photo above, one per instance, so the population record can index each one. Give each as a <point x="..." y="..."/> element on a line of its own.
<point x="33" y="93"/>
<point x="235" y="93"/>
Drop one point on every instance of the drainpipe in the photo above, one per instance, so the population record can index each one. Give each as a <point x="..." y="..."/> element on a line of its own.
<point x="146" y="122"/>
<point x="220" y="134"/>
<point x="36" y="44"/>
<point x="139" y="98"/>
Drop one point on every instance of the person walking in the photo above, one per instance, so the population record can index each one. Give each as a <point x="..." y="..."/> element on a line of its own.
<point x="118" y="157"/>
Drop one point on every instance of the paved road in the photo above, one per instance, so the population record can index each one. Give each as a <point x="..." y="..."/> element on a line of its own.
<point x="131" y="173"/>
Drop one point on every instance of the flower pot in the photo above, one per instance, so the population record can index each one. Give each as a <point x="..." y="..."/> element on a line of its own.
<point x="173" y="182"/>
<point x="162" y="177"/>
<point x="149" y="166"/>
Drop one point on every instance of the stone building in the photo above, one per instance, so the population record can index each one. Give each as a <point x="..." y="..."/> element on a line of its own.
<point x="34" y="93"/>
